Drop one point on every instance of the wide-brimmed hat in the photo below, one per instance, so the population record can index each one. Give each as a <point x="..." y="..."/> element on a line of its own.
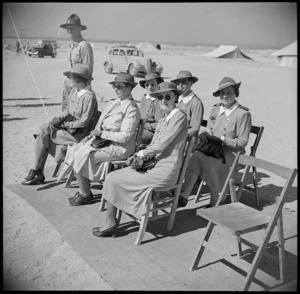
<point x="79" y="70"/>
<point x="124" y="77"/>
<point x="165" y="87"/>
<point x="226" y="82"/>
<point x="150" y="76"/>
<point x="184" y="74"/>
<point x="73" y="20"/>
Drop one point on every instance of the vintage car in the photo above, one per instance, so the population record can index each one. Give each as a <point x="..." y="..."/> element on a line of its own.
<point x="130" y="59"/>
<point x="43" y="48"/>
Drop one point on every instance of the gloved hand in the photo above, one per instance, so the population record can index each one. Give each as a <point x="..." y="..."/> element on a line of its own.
<point x="204" y="137"/>
<point x="96" y="133"/>
<point x="130" y="160"/>
<point x="137" y="163"/>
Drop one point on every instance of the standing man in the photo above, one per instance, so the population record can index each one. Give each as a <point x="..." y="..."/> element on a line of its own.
<point x="81" y="51"/>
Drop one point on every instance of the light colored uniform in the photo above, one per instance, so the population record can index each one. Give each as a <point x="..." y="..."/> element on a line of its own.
<point x="83" y="106"/>
<point x="80" y="52"/>
<point x="118" y="123"/>
<point x="235" y="126"/>
<point x="151" y="113"/>
<point x="128" y="189"/>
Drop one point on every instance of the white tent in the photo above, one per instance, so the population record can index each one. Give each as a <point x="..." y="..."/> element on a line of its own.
<point x="225" y="51"/>
<point x="287" y="56"/>
<point x="147" y="47"/>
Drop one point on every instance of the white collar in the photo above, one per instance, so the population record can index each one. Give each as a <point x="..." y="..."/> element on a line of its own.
<point x="150" y="97"/>
<point x="187" y="98"/>
<point x="171" y="114"/>
<point x="83" y="91"/>
<point x="229" y="110"/>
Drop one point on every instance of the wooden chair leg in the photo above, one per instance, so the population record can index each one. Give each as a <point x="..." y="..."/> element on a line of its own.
<point x="281" y="249"/>
<point x="56" y="170"/>
<point x="255" y="185"/>
<point x="239" y="247"/>
<point x="69" y="179"/>
<point x="198" y="194"/>
<point x="173" y="211"/>
<point x="102" y="204"/>
<point x="119" y="215"/>
<point x="202" y="247"/>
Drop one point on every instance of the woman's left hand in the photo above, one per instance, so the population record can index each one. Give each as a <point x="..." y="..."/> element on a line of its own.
<point x="137" y="163"/>
<point x="95" y="133"/>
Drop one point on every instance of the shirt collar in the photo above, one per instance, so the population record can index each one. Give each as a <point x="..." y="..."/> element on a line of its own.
<point x="75" y="44"/>
<point x="187" y="98"/>
<point x="229" y="110"/>
<point x="129" y="97"/>
<point x="83" y="91"/>
<point x="150" y="97"/>
<point x="167" y="118"/>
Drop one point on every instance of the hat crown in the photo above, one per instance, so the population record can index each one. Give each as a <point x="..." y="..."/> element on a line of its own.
<point x="73" y="19"/>
<point x="167" y="86"/>
<point x="227" y="80"/>
<point x="124" y="77"/>
<point x="151" y="75"/>
<point x="184" y="74"/>
<point x="81" y="68"/>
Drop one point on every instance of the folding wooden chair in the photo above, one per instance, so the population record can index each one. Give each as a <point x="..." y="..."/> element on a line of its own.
<point x="239" y="218"/>
<point x="117" y="164"/>
<point x="160" y="205"/>
<point x="93" y="125"/>
<point x="257" y="132"/>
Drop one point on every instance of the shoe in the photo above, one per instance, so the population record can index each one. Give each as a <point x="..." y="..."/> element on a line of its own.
<point x="34" y="177"/>
<point x="110" y="232"/>
<point x="79" y="199"/>
<point x="182" y="202"/>
<point x="72" y="198"/>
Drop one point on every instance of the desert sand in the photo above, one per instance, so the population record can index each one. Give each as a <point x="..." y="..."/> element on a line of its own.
<point x="33" y="251"/>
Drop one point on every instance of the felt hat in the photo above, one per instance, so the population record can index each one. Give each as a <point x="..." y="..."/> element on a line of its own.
<point x="79" y="70"/>
<point x="184" y="74"/>
<point x="165" y="87"/>
<point x="73" y="20"/>
<point x="150" y="76"/>
<point x="124" y="77"/>
<point x="226" y="82"/>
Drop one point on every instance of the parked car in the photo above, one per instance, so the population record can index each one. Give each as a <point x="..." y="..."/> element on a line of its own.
<point x="43" y="48"/>
<point x="130" y="59"/>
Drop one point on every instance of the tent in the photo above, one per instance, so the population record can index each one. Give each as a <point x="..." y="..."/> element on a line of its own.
<point x="147" y="47"/>
<point x="225" y="51"/>
<point x="287" y="56"/>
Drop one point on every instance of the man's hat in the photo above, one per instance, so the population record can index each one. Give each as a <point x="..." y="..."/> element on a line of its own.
<point x="73" y="20"/>
<point x="79" y="70"/>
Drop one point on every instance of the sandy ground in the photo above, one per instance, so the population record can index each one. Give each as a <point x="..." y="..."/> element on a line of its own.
<point x="34" y="255"/>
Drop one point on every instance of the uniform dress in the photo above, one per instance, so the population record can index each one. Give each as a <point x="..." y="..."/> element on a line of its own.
<point x="128" y="189"/>
<point x="235" y="125"/>
<point x="82" y="106"/>
<point x="118" y="123"/>
<point x="193" y="107"/>
<point x="151" y="113"/>
<point x="80" y="52"/>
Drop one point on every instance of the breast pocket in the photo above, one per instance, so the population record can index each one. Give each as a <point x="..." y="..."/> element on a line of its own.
<point x="77" y="58"/>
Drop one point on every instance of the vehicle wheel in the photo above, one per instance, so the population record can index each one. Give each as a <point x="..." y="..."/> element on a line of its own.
<point x="107" y="68"/>
<point x="132" y="70"/>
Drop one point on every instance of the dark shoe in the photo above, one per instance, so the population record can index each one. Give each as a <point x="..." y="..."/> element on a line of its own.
<point x="110" y="232"/>
<point x="182" y="202"/>
<point x="79" y="199"/>
<point x="34" y="177"/>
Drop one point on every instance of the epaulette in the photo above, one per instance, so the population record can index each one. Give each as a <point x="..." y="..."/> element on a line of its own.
<point x="218" y="104"/>
<point x="243" y="107"/>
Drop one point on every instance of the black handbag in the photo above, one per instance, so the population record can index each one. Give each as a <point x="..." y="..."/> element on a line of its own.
<point x="148" y="164"/>
<point x="214" y="148"/>
<point x="100" y="143"/>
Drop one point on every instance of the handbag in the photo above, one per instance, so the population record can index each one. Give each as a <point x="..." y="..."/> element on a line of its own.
<point x="100" y="143"/>
<point x="147" y="163"/>
<point x="214" y="148"/>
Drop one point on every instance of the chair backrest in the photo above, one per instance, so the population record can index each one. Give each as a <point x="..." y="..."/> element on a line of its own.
<point x="255" y="130"/>
<point x="139" y="133"/>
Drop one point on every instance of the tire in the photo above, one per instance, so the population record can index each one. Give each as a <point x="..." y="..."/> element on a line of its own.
<point x="107" y="68"/>
<point x="132" y="70"/>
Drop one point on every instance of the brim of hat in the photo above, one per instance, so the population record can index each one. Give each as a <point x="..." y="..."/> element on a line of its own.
<point x="67" y="73"/>
<point x="66" y="25"/>
<point x="125" y="82"/>
<point x="143" y="82"/>
<point x="193" y="78"/>
<point x="217" y="93"/>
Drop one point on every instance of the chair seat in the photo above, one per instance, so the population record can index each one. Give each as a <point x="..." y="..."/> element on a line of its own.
<point x="236" y="217"/>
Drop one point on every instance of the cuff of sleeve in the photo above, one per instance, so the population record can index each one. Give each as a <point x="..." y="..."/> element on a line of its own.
<point x="140" y="154"/>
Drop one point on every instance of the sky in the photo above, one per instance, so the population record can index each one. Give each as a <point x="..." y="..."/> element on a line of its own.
<point x="257" y="25"/>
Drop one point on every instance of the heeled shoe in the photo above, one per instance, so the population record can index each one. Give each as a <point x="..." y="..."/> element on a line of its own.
<point x="79" y="199"/>
<point x="182" y="202"/>
<point x="110" y="232"/>
<point x="34" y="177"/>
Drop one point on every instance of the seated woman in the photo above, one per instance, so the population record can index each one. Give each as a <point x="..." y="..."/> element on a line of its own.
<point x="229" y="121"/>
<point x="117" y="124"/>
<point x="189" y="102"/>
<point x="70" y="127"/>
<point x="151" y="112"/>
<point x="128" y="189"/>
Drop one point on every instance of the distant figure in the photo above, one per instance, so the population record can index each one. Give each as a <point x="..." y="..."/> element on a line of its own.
<point x="80" y="52"/>
<point x="27" y="48"/>
<point x="18" y="51"/>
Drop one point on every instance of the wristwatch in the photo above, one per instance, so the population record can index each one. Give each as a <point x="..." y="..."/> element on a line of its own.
<point x="223" y="138"/>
